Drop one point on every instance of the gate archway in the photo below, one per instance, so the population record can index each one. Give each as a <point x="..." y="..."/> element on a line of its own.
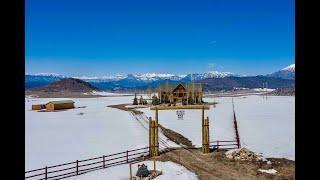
<point x="154" y="125"/>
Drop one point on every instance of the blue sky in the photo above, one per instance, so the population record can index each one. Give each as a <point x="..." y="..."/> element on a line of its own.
<point x="102" y="37"/>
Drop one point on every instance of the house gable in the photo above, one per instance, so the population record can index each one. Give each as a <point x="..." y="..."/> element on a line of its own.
<point x="179" y="88"/>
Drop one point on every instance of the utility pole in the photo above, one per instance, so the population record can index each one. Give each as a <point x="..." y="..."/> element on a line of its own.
<point x="266" y="90"/>
<point x="192" y="89"/>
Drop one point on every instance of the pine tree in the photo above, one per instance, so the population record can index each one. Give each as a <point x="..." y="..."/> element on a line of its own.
<point x="141" y="100"/>
<point x="190" y="100"/>
<point x="155" y="100"/>
<point x="135" y="100"/>
<point x="166" y="99"/>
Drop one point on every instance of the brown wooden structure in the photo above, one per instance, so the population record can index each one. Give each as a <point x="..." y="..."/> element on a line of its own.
<point x="191" y="93"/>
<point x="57" y="105"/>
<point x="197" y="106"/>
<point x="205" y="136"/>
<point x="154" y="136"/>
<point x="38" y="106"/>
<point x="79" y="167"/>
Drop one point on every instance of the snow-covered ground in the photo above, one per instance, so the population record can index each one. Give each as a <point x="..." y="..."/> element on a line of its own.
<point x="104" y="93"/>
<point x="269" y="171"/>
<point x="263" y="89"/>
<point x="170" y="170"/>
<point x="265" y="125"/>
<point x="58" y="137"/>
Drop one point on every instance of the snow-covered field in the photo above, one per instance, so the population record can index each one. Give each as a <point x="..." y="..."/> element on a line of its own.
<point x="265" y="125"/>
<point x="263" y="89"/>
<point x="59" y="137"/>
<point x="103" y="93"/>
<point x="170" y="170"/>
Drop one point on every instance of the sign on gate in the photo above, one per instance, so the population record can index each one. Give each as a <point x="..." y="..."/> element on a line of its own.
<point x="180" y="115"/>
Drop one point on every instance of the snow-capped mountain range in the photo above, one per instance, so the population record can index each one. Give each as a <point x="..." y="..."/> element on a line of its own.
<point x="141" y="77"/>
<point x="148" y="77"/>
<point x="121" y="80"/>
<point x="143" y="80"/>
<point x="285" y="73"/>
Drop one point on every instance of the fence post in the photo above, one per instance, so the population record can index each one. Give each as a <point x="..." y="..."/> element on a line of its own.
<point x="46" y="173"/>
<point x="152" y="145"/>
<point x="156" y="134"/>
<point x="217" y="145"/>
<point x="130" y="166"/>
<point x="127" y="156"/>
<point x="104" y="161"/>
<point x="77" y="167"/>
<point x="205" y="135"/>
<point x="150" y="136"/>
<point x="202" y="129"/>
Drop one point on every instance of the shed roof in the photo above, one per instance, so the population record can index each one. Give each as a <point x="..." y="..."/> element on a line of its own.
<point x="61" y="102"/>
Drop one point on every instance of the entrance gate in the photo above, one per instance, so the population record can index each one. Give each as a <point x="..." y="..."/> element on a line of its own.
<point x="154" y="124"/>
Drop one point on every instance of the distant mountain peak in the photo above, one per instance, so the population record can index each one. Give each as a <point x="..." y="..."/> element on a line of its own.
<point x="289" y="68"/>
<point x="67" y="84"/>
<point x="219" y="74"/>
<point x="285" y="73"/>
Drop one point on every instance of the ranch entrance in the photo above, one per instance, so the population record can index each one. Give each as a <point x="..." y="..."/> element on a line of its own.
<point x="206" y="146"/>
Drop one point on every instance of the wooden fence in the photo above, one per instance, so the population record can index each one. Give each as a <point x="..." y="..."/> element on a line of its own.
<point x="83" y="166"/>
<point x="224" y="144"/>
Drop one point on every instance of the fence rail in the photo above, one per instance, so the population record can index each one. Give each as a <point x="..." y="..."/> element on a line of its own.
<point x="83" y="166"/>
<point x="79" y="167"/>
<point x="224" y="144"/>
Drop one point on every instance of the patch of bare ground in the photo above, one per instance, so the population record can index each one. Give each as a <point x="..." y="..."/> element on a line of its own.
<point x="124" y="108"/>
<point x="170" y="134"/>
<point x="216" y="165"/>
<point x="176" y="137"/>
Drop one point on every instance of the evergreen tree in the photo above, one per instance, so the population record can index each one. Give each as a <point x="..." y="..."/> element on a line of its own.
<point x="141" y="100"/>
<point x="161" y="100"/>
<point x="166" y="99"/>
<point x="155" y="100"/>
<point x="135" y="100"/>
<point x="190" y="100"/>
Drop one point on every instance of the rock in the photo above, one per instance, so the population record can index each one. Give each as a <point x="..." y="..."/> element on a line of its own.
<point x="269" y="162"/>
<point x="243" y="154"/>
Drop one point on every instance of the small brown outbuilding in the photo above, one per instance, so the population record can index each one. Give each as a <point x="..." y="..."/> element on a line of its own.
<point x="38" y="106"/>
<point x="56" y="105"/>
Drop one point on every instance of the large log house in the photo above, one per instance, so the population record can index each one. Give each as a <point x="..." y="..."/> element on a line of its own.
<point x="191" y="93"/>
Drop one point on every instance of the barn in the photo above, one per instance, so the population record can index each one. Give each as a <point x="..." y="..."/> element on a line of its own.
<point x="57" y="105"/>
<point x="38" y="106"/>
